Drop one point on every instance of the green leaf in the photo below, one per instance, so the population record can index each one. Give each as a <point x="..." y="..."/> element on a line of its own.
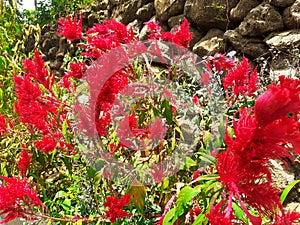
<point x="60" y="194"/>
<point x="91" y="172"/>
<point x="185" y="195"/>
<point x="66" y="204"/>
<point x="239" y="212"/>
<point x="206" y="138"/>
<point x="64" y="128"/>
<point x="200" y="220"/>
<point x="287" y="190"/>
<point x="169" y="216"/>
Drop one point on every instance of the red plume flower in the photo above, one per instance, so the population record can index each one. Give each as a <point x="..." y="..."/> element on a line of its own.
<point x="240" y="80"/>
<point x="115" y="207"/>
<point x="24" y="161"/>
<point x="278" y="101"/>
<point x="16" y="199"/>
<point x="70" y="29"/>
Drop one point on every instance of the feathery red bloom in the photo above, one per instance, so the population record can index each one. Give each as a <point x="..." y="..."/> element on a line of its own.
<point x="218" y="216"/>
<point x="36" y="69"/>
<point x="3" y="126"/>
<point x="153" y="26"/>
<point x="220" y="62"/>
<point x="70" y="29"/>
<point x="107" y="36"/>
<point x="46" y="145"/>
<point x="106" y="98"/>
<point x="16" y="199"/>
<point x="278" y="101"/>
<point x="287" y="218"/>
<point x="115" y="207"/>
<point x="24" y="161"/>
<point x="180" y="36"/>
<point x="240" y="80"/>
<point x="77" y="70"/>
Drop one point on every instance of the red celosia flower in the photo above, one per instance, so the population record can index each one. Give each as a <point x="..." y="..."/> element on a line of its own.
<point x="287" y="218"/>
<point x="70" y="29"/>
<point x="180" y="36"/>
<point x="107" y="36"/>
<point x="36" y="69"/>
<point x="24" y="161"/>
<point x="220" y="62"/>
<point x="278" y="101"/>
<point x="218" y="215"/>
<point x="77" y="70"/>
<point x="3" y="127"/>
<point x="239" y="80"/>
<point x="16" y="199"/>
<point x="30" y="110"/>
<point x="106" y="98"/>
<point x="46" y="145"/>
<point x="153" y="26"/>
<point x="265" y="133"/>
<point x="115" y="207"/>
<point x="196" y="99"/>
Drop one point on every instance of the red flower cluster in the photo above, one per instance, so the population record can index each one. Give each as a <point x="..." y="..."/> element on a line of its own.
<point x="269" y="131"/>
<point x="180" y="36"/>
<point x="36" y="69"/>
<point x="239" y="79"/>
<point x="24" y="161"/>
<point x="220" y="62"/>
<point x="70" y="29"/>
<point x="40" y="112"/>
<point x="115" y="207"/>
<point x="17" y="199"/>
<point x="106" y="99"/>
<point x="3" y="124"/>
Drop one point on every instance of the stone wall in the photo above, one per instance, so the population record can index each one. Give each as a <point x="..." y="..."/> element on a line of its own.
<point x="256" y="28"/>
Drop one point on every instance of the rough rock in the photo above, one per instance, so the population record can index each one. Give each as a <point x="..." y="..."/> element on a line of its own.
<point x="175" y="20"/>
<point x="55" y="65"/>
<point x="210" y="44"/>
<point x="52" y="52"/>
<point x="29" y="44"/>
<point x="126" y="12"/>
<point x="168" y="8"/>
<point x="284" y="40"/>
<point x="281" y="3"/>
<point x="240" y="11"/>
<point x="197" y="35"/>
<point x="143" y="34"/>
<point x="293" y="207"/>
<point x="291" y="16"/>
<point x="136" y="26"/>
<point x="261" y="20"/>
<point x="280" y="175"/>
<point x="253" y="47"/>
<point x="146" y="12"/>
<point x="49" y="40"/>
<point x="207" y="14"/>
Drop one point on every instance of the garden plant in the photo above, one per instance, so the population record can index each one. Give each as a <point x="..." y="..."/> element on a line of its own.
<point x="144" y="132"/>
